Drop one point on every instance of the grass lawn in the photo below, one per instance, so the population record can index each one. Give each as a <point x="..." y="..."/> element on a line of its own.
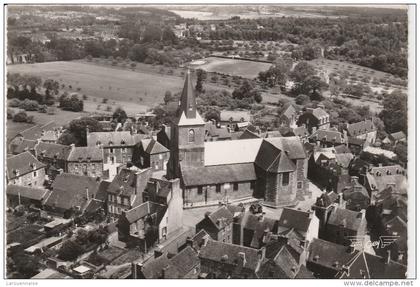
<point x="234" y="67"/>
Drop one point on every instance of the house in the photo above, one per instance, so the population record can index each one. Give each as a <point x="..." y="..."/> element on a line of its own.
<point x="218" y="224"/>
<point x="303" y="223"/>
<point x="397" y="137"/>
<point x="314" y="119"/>
<point x="323" y="206"/>
<point x="327" y="138"/>
<point x="25" y="169"/>
<point x="150" y="223"/>
<point x="183" y="265"/>
<point x="126" y="190"/>
<point x="343" y="224"/>
<point x="356" y="196"/>
<point x="26" y="195"/>
<point x="21" y="145"/>
<point x="369" y="266"/>
<point x="117" y="148"/>
<point x="255" y="229"/>
<point x="376" y="151"/>
<point x="150" y="153"/>
<point x="35" y="132"/>
<point x="231" y="119"/>
<point x="355" y="145"/>
<point x="87" y="161"/>
<point x="377" y="179"/>
<point x="288" y="116"/>
<point x="326" y="259"/>
<point x="72" y="194"/>
<point x="54" y="156"/>
<point x="223" y="260"/>
<point x="364" y="130"/>
<point x="215" y="132"/>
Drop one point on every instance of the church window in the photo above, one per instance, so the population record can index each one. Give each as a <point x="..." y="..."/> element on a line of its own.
<point x="200" y="190"/>
<point x="235" y="186"/>
<point x="218" y="188"/>
<point x="285" y="179"/>
<point x="191" y="135"/>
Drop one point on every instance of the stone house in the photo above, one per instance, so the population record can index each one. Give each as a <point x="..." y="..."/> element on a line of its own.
<point x="314" y="119"/>
<point x="126" y="190"/>
<point x="25" y="169"/>
<point x="364" y="130"/>
<point x="218" y="224"/>
<point x="54" y="156"/>
<point x="150" y="153"/>
<point x="26" y="195"/>
<point x="87" y="161"/>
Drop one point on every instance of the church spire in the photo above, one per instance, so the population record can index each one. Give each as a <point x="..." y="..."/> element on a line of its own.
<point x="188" y="103"/>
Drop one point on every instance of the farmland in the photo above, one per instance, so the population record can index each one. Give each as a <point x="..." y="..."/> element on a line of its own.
<point x="132" y="87"/>
<point x="233" y="67"/>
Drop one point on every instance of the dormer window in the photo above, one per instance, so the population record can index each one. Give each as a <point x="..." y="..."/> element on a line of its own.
<point x="190" y="108"/>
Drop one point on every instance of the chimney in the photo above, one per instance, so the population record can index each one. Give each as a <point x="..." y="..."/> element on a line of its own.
<point x="340" y="199"/>
<point x="205" y="240"/>
<point x="241" y="259"/>
<point x="388" y="256"/>
<point x="189" y="241"/>
<point x="261" y="253"/>
<point x="354" y="180"/>
<point x="313" y="129"/>
<point x="380" y="164"/>
<point x="361" y="214"/>
<point x="87" y="193"/>
<point x="136" y="269"/>
<point x="158" y="252"/>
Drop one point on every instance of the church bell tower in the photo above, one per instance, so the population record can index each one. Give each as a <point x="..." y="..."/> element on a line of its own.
<point x="187" y="133"/>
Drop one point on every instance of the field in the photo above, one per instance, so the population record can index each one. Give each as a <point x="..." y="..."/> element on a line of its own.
<point x="233" y="67"/>
<point x="131" y="87"/>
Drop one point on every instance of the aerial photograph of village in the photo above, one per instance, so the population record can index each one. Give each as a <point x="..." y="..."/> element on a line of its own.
<point x="206" y="142"/>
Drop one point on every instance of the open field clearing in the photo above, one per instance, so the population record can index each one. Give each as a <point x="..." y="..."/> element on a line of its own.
<point x="105" y="82"/>
<point x="233" y="67"/>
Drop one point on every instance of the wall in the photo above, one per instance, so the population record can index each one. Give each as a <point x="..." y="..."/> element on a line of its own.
<point x="210" y="195"/>
<point x="29" y="179"/>
<point x="275" y="193"/>
<point x="91" y="169"/>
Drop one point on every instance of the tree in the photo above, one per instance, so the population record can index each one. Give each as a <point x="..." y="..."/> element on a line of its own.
<point x="302" y="99"/>
<point x="51" y="85"/>
<point x="212" y="114"/>
<point x="70" y="250"/>
<point x="168" y="97"/>
<point x="26" y="265"/>
<point x="394" y="114"/>
<point x="29" y="105"/>
<point x="201" y="76"/>
<point x="77" y="130"/>
<point x="138" y="53"/>
<point x="301" y="71"/>
<point x="20" y="117"/>
<point x="276" y="74"/>
<point x="311" y="86"/>
<point x="119" y="115"/>
<point x="151" y="34"/>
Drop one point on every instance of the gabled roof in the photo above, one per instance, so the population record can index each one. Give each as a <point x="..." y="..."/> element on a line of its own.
<point x="300" y="131"/>
<point x="292" y="146"/>
<point x="282" y="266"/>
<point x="342" y="149"/>
<point x="347" y="218"/>
<point x="35" y="132"/>
<point x="297" y="219"/>
<point x="329" y="254"/>
<point x="194" y="121"/>
<point x="235" y="116"/>
<point x="247" y="134"/>
<point x="23" y="163"/>
<point x="369" y="266"/>
<point x="219" y="132"/>
<point x="108" y="139"/>
<point x="130" y="181"/>
<point x="327" y="135"/>
<point x="355" y="141"/>
<point x="155" y="147"/>
<point x="221" y="217"/>
<point x="84" y="153"/>
<point x="218" y="174"/>
<point x="288" y="111"/>
<point x="344" y="159"/>
<point x="231" y="152"/>
<point x="152" y="269"/>
<point x="227" y="253"/>
<point x="27" y="191"/>
<point x="398" y="136"/>
<point x="360" y="128"/>
<point x="319" y="113"/>
<point x="185" y="261"/>
<point x="52" y="151"/>
<point x="19" y="145"/>
<point x="70" y="190"/>
<point x="144" y="209"/>
<point x="378" y="151"/>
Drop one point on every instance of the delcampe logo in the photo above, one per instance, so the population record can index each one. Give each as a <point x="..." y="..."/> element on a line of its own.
<point x="359" y="242"/>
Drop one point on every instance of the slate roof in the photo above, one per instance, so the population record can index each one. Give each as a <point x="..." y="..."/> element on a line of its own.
<point x="297" y="219"/>
<point x="20" y="145"/>
<point x="34" y="133"/>
<point x="259" y="226"/>
<point x="215" y="250"/>
<point x="300" y="131"/>
<point x="292" y="146"/>
<point x="206" y="175"/>
<point x="288" y="111"/>
<point x="69" y="190"/>
<point x="344" y="159"/>
<point x="342" y="149"/>
<point x="378" y="151"/>
<point x="198" y="239"/>
<point x="329" y="254"/>
<point x="144" y="209"/>
<point x="27" y="191"/>
<point x="221" y="217"/>
<point x="370" y="266"/>
<point x="398" y="136"/>
<point x="185" y="261"/>
<point x="231" y="152"/>
<point x="397" y="227"/>
<point x="247" y="134"/>
<point x="85" y="153"/>
<point x="152" y="269"/>
<point x="319" y="113"/>
<point x="355" y="141"/>
<point x="110" y="139"/>
<point x="219" y="132"/>
<point x="24" y="163"/>
<point x="360" y="128"/>
<point x="52" y="150"/>
<point x="282" y="266"/>
<point x="343" y="217"/>
<point x="155" y="147"/>
<point x="125" y="182"/>
<point x="327" y="135"/>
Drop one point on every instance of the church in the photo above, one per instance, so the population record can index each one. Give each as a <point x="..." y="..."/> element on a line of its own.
<point x="271" y="169"/>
